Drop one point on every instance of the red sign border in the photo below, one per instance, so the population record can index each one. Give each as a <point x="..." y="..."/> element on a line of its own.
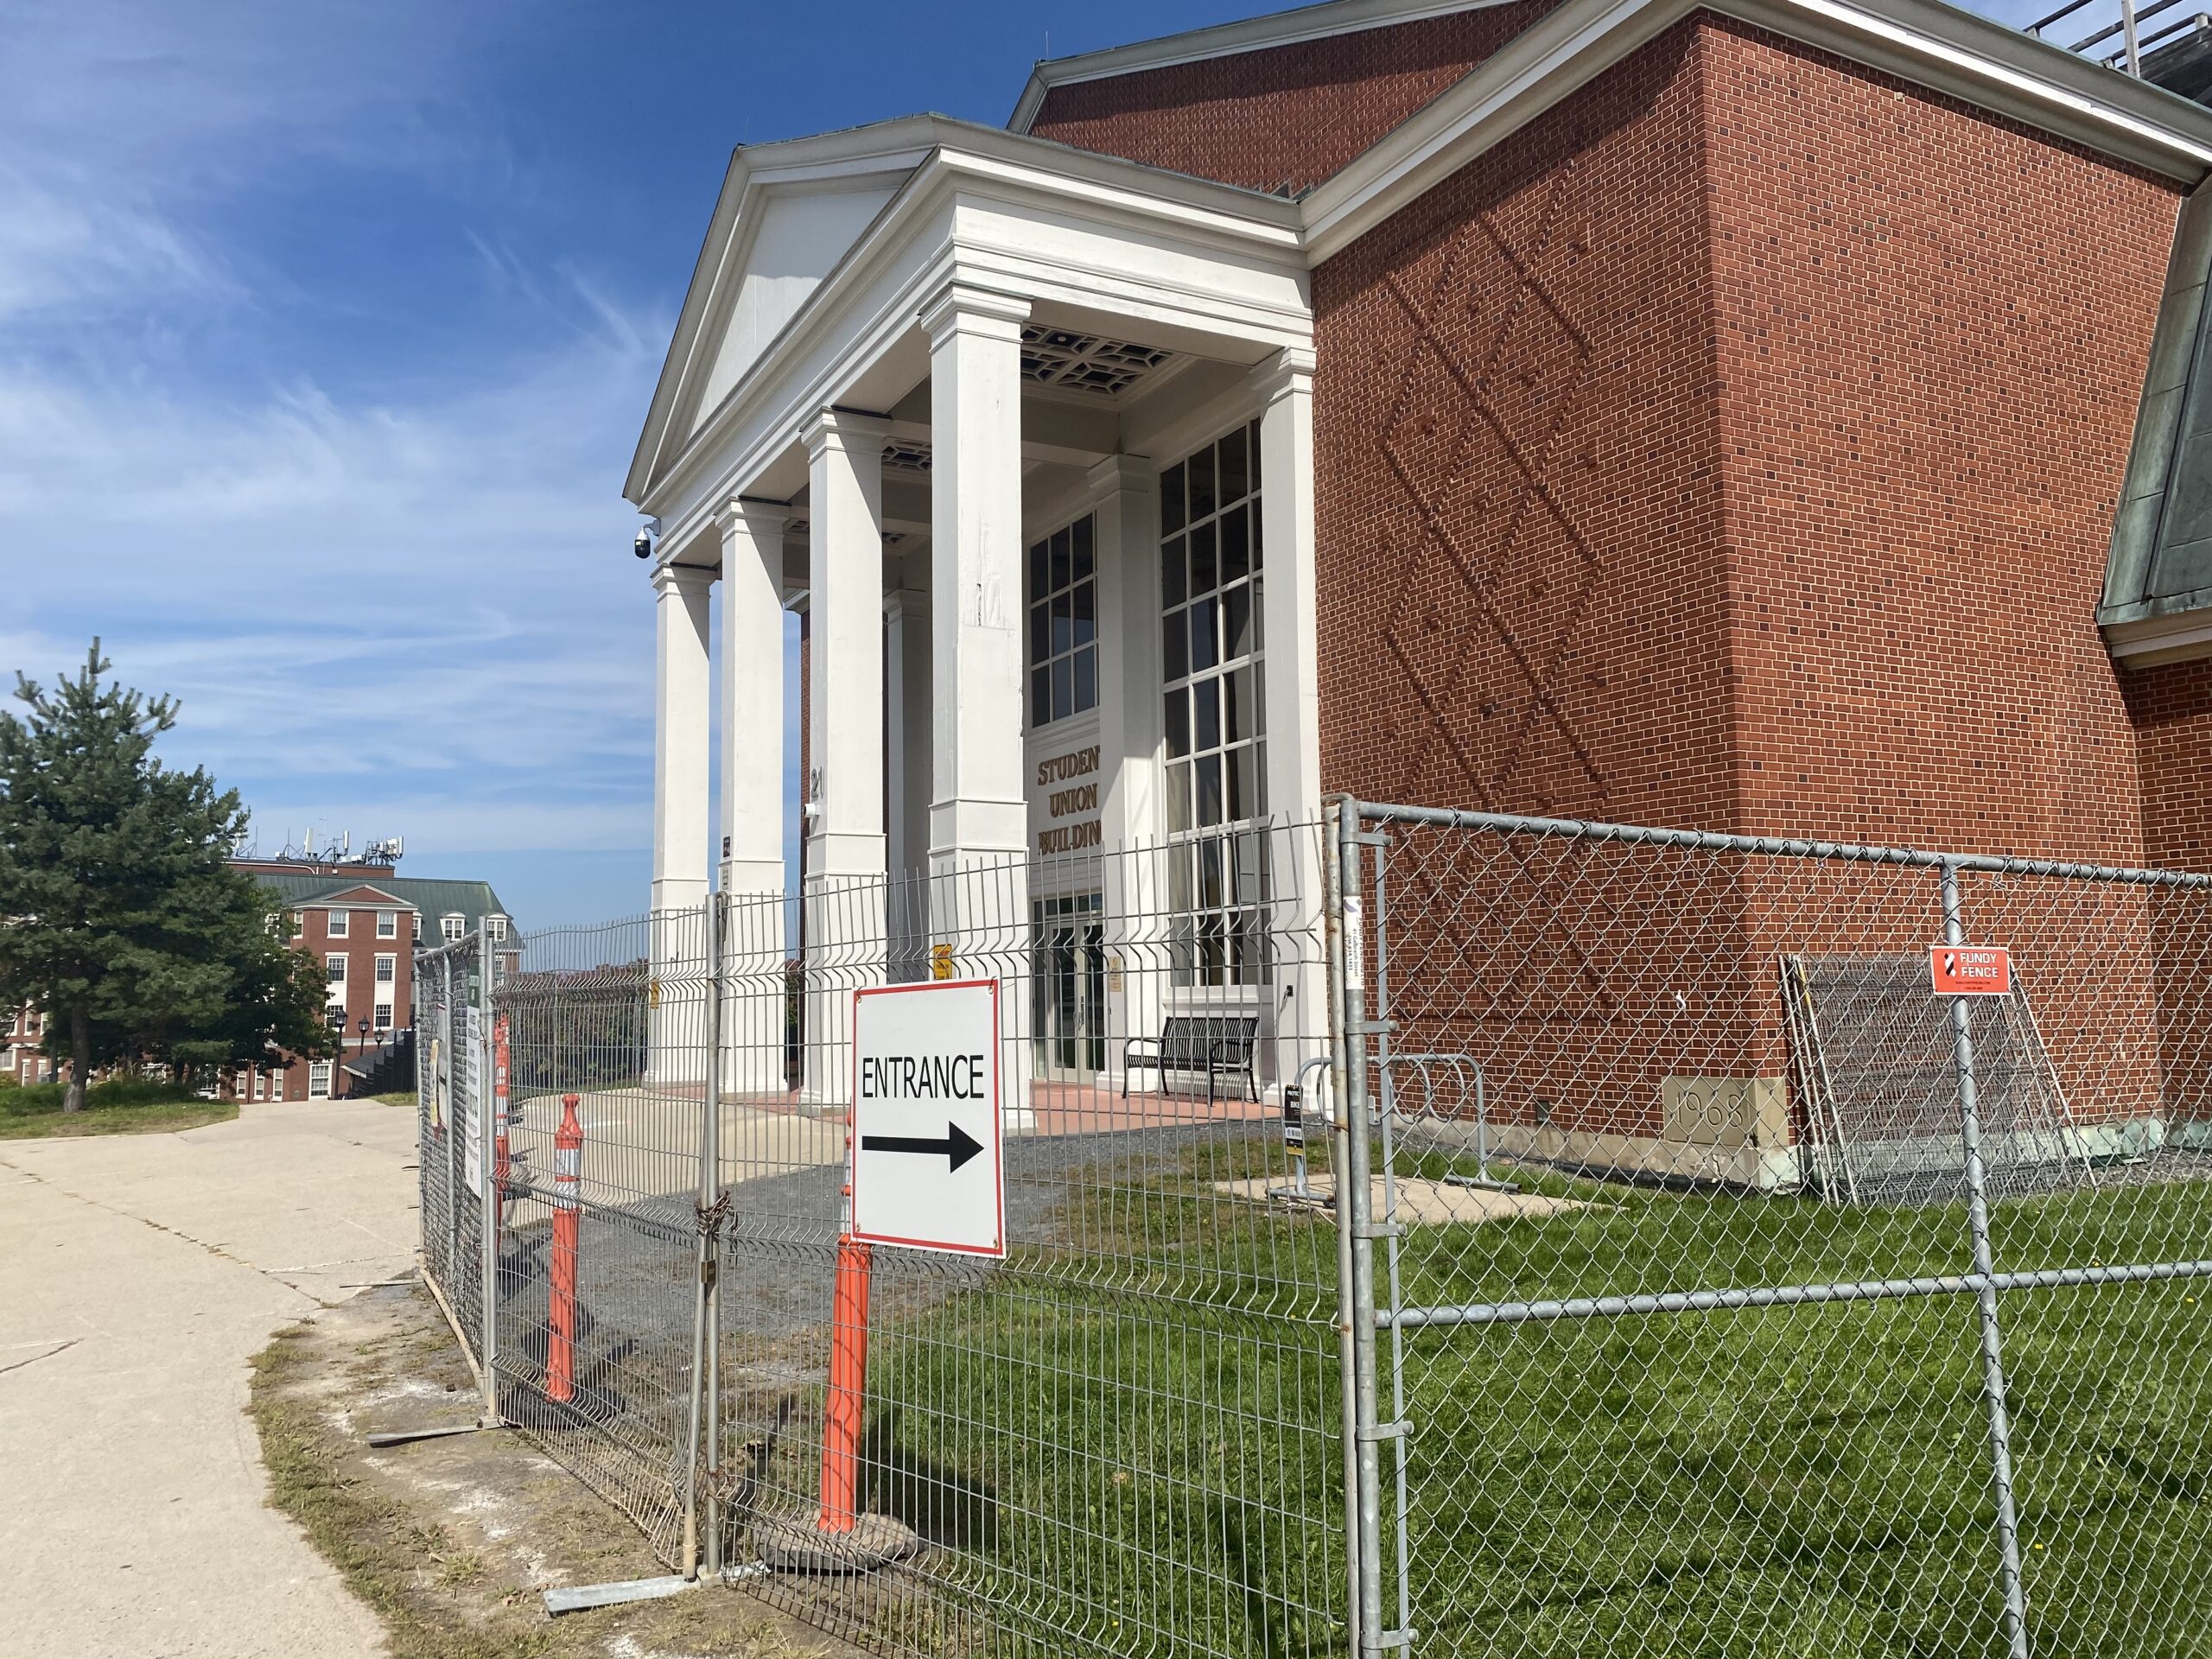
<point x="998" y="1120"/>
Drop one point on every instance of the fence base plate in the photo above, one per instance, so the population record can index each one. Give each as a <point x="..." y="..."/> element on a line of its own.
<point x="794" y="1547"/>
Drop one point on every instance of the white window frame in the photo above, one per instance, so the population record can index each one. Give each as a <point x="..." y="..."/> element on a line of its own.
<point x="496" y="926"/>
<point x="453" y="928"/>
<point x="380" y="1017"/>
<point x="320" y="1074"/>
<point x="333" y="965"/>
<point x="387" y="924"/>
<point x="417" y="935"/>
<point x="387" y="970"/>
<point x="337" y="924"/>
<point x="1052" y="661"/>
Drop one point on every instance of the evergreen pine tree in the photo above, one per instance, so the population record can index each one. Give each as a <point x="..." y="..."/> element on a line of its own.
<point x="120" y="916"/>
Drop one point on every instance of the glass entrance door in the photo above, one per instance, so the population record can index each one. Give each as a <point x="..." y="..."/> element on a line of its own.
<point x="1068" y="1004"/>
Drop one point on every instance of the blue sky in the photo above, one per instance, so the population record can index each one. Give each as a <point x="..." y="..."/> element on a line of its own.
<point x="326" y="332"/>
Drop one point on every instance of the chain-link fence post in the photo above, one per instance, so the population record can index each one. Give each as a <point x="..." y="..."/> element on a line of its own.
<point x="487" y="1195"/>
<point x="1992" y="1361"/>
<point x="449" y="1081"/>
<point x="1356" y="1222"/>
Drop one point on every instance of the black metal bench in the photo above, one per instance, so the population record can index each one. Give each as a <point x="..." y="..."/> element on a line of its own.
<point x="1219" y="1045"/>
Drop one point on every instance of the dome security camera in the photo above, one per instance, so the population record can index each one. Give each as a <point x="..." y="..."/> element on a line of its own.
<point x="642" y="547"/>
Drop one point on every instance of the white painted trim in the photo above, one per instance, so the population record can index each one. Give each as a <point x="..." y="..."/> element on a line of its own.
<point x="1316" y="23"/>
<point x="1984" y="63"/>
<point x="2183" y="637"/>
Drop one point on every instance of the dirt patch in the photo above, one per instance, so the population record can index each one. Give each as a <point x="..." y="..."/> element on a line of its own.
<point x="454" y="1540"/>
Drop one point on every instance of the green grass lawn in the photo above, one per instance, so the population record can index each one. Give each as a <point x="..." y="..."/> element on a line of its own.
<point x="120" y="1106"/>
<point x="1133" y="1442"/>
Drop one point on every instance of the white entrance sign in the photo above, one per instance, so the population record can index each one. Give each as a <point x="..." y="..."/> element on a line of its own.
<point x="927" y="1170"/>
<point x="466" y="1123"/>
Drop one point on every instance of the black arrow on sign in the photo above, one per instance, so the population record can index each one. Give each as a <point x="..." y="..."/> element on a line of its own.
<point x="956" y="1149"/>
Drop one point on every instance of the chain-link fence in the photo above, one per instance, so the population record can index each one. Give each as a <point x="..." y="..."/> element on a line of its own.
<point x="1702" y="1280"/>
<point x="1733" y="1291"/>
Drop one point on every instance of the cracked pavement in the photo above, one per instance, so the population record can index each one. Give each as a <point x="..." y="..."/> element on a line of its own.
<point x="144" y="1272"/>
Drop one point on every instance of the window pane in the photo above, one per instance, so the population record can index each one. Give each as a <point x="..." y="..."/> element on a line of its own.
<point x="1174" y="647"/>
<point x="1234" y="551"/>
<point x="1233" y="483"/>
<point x="1259" y="616"/>
<point x="1086" y="679"/>
<point x="1063" y="622"/>
<point x="1179" y="805"/>
<point x="1171" y="572"/>
<point x="1179" y="723"/>
<point x="1237" y="716"/>
<point x="1205" y="707"/>
<point x="1086" y="554"/>
<point x="1060" y="545"/>
<point x="1205" y="570"/>
<point x="1259" y="780"/>
<point x="1040" y="632"/>
<point x="1204" y="636"/>
<point x="1063" y="689"/>
<point x="1203" y="499"/>
<point x="1253" y="432"/>
<point x="1210" y="889"/>
<point x="1237" y="622"/>
<point x="1208" y="788"/>
<point x="1040" y="580"/>
<point x="1040" y="697"/>
<point x="1256" y="521"/>
<point x="1170" y="501"/>
<point x="1083" y="599"/>
<point x="1241" y="796"/>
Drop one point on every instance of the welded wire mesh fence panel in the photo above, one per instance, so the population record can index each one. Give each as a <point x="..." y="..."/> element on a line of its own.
<point x="449" y="1145"/>
<point x="606" y="1029"/>
<point x="1734" y="1291"/>
<point x="1125" y="1436"/>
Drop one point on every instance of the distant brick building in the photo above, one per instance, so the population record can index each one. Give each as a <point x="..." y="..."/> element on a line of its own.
<point x="22" y="1056"/>
<point x="364" y="921"/>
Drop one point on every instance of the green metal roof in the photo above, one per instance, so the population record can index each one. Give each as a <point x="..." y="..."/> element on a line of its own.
<point x="434" y="898"/>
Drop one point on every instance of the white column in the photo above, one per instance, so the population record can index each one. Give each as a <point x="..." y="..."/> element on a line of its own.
<point x="752" y="873"/>
<point x="1130" y="714"/>
<point x="906" y="777"/>
<point x="846" y="946"/>
<point x="1293" y="706"/>
<point x="979" y="829"/>
<point x="682" y="705"/>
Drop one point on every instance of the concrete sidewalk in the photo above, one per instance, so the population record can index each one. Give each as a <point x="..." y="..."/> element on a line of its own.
<point x="142" y="1274"/>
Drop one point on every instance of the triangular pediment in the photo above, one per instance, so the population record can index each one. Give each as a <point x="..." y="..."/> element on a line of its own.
<point x="789" y="212"/>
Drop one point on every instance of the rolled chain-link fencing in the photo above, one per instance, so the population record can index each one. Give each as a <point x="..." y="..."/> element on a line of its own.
<point x="1702" y="1281"/>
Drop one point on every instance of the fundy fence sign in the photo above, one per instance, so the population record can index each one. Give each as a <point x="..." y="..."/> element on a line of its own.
<point x="1970" y="969"/>
<point x="927" y="1168"/>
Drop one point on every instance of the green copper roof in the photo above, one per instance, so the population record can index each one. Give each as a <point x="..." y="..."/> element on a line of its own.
<point x="434" y="898"/>
<point x="2161" y="559"/>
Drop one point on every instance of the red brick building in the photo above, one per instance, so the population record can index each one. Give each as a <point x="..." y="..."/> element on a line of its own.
<point x="1760" y="417"/>
<point x="365" y="922"/>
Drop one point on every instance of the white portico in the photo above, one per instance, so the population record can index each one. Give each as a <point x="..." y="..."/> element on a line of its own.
<point x="1025" y="434"/>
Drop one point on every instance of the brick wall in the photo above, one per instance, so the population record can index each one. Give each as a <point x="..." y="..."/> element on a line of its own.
<point x="1697" y="457"/>
<point x="1934" y="326"/>
<point x="1285" y="115"/>
<point x="2171" y="707"/>
<point x="1521" y="572"/>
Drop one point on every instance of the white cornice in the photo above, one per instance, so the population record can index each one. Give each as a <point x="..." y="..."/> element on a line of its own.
<point x="968" y="158"/>
<point x="1318" y="22"/>
<point x="1932" y="45"/>
<point x="2179" y="637"/>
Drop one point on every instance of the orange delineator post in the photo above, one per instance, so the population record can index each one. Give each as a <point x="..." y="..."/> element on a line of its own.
<point x="840" y="1421"/>
<point x="567" y="1219"/>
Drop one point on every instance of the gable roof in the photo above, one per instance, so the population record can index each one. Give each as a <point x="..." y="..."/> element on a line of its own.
<point x="431" y="896"/>
<point x="1314" y="22"/>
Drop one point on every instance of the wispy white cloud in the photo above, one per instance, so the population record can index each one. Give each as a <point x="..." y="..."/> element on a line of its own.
<point x="400" y="602"/>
